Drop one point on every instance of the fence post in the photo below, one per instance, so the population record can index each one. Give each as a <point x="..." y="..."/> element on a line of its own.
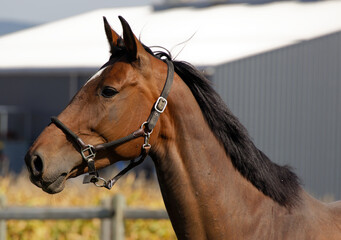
<point x="118" y="205"/>
<point x="106" y="223"/>
<point x="3" y="227"/>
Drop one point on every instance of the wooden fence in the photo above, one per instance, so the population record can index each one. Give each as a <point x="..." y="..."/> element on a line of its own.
<point x="112" y="213"/>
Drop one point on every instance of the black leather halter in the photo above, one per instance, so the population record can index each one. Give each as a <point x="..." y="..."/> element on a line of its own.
<point x="88" y="152"/>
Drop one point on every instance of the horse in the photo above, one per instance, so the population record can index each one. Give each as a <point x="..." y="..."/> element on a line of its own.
<point x="215" y="183"/>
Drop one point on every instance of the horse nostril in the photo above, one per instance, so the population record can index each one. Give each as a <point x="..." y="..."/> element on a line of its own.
<point x="37" y="165"/>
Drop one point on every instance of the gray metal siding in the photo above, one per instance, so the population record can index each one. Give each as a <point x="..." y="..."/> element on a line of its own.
<point x="290" y="101"/>
<point x="42" y="95"/>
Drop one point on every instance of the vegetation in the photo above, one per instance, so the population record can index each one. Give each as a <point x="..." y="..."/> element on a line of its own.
<point x="19" y="191"/>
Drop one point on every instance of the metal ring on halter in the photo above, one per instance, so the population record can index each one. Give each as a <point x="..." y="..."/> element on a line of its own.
<point x="100" y="179"/>
<point x="143" y="127"/>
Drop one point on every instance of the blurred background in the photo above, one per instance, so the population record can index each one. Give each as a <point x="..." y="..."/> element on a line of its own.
<point x="276" y="64"/>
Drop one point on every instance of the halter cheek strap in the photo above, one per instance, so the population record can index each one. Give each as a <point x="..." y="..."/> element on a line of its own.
<point x="88" y="152"/>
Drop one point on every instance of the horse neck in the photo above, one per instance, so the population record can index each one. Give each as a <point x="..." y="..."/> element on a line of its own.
<point x="201" y="189"/>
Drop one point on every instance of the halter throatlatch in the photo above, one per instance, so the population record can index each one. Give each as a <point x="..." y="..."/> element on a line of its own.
<point x="88" y="152"/>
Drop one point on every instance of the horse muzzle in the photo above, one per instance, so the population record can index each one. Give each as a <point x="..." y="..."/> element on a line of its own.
<point x="52" y="182"/>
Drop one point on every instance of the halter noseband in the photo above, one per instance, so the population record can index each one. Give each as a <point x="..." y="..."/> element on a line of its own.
<point x="88" y="152"/>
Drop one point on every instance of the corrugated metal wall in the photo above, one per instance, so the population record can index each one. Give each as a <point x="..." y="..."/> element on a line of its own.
<point x="290" y="101"/>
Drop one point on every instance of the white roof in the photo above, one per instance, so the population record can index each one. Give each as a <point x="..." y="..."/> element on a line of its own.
<point x="220" y="33"/>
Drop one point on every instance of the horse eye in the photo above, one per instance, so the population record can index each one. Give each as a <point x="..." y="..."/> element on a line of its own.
<point x="108" y="92"/>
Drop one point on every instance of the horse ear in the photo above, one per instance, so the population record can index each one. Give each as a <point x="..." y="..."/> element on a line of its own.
<point x="112" y="36"/>
<point x="135" y="48"/>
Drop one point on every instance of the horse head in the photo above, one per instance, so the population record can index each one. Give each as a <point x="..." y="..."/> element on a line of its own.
<point x="113" y="103"/>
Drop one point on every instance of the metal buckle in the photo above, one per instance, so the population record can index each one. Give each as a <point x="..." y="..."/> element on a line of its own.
<point x="88" y="152"/>
<point x="160" y="104"/>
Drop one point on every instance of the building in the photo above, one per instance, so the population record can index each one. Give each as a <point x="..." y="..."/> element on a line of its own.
<point x="276" y="65"/>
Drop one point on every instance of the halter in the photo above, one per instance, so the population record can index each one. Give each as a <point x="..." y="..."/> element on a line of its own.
<point x="88" y="151"/>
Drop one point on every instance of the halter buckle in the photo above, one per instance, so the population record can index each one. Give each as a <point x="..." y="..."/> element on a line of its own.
<point x="88" y="152"/>
<point x="160" y="104"/>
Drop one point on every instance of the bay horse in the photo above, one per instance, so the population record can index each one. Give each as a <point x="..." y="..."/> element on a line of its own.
<point x="214" y="181"/>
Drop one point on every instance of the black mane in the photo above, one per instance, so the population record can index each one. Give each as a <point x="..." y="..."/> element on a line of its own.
<point x="277" y="182"/>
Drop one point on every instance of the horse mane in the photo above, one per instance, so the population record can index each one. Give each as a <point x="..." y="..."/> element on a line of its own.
<point x="276" y="182"/>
